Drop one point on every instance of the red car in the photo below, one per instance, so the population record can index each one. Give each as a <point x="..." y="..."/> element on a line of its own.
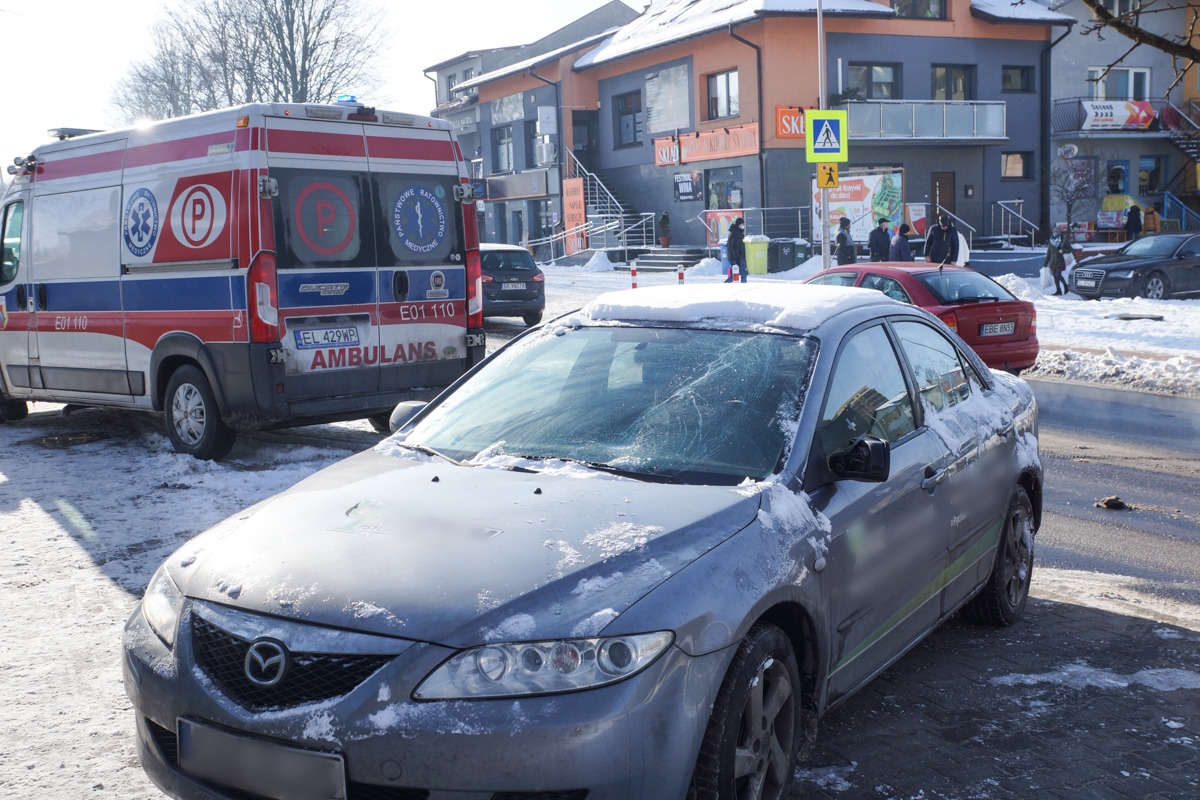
<point x="998" y="326"/>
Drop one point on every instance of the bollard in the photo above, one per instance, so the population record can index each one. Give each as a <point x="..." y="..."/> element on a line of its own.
<point x="633" y="275"/>
<point x="736" y="273"/>
<point x="681" y="273"/>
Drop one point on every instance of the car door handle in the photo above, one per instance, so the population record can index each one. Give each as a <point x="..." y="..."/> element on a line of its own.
<point x="43" y="305"/>
<point x="933" y="479"/>
<point x="400" y="286"/>
<point x="21" y="301"/>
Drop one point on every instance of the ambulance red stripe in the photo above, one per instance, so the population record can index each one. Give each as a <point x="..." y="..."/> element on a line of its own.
<point x="176" y="150"/>
<point x="311" y="143"/>
<point x="411" y="149"/>
<point x="80" y="165"/>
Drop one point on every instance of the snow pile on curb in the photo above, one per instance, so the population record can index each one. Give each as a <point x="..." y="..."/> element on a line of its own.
<point x="1021" y="288"/>
<point x="1177" y="375"/>
<point x="599" y="263"/>
<point x="709" y="266"/>
<point x="804" y="271"/>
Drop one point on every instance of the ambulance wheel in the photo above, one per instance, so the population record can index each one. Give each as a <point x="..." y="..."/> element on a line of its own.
<point x="13" y="410"/>
<point x="193" y="421"/>
<point x="382" y="423"/>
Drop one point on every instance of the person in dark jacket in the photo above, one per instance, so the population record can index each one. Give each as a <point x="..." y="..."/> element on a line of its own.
<point x="1133" y="224"/>
<point x="1057" y="264"/>
<point x="847" y="253"/>
<point x="941" y="246"/>
<point x="735" y="248"/>
<point x="879" y="243"/>
<point x="899" y="250"/>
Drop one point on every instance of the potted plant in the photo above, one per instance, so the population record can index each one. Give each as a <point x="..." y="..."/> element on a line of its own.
<point x="664" y="230"/>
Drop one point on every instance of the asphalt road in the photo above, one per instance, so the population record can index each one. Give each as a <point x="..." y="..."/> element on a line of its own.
<point x="1144" y="448"/>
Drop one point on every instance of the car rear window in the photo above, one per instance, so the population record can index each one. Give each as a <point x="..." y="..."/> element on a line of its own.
<point x="696" y="406"/>
<point x="499" y="261"/>
<point x="962" y="286"/>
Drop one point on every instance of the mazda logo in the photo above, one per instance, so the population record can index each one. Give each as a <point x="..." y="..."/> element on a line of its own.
<point x="266" y="663"/>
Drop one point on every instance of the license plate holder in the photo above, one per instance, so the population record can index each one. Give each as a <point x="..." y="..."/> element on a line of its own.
<point x="1086" y="284"/>
<point x="476" y="340"/>
<point x="512" y="286"/>
<point x="998" y="329"/>
<point x="317" y="338"/>
<point x="259" y="766"/>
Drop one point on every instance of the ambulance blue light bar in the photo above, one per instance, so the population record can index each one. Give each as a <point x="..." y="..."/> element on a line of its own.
<point x="349" y="99"/>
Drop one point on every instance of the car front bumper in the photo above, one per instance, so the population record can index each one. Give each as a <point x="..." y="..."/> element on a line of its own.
<point x="1110" y="287"/>
<point x="634" y="739"/>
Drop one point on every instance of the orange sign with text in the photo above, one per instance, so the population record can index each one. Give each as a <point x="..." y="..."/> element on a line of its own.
<point x="789" y="122"/>
<point x="740" y="140"/>
<point x="574" y="216"/>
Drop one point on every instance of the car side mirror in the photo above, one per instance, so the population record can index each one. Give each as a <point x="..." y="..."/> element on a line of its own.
<point x="404" y="412"/>
<point x="868" y="460"/>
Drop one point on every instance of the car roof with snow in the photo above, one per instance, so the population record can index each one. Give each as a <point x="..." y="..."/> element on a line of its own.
<point x="750" y="306"/>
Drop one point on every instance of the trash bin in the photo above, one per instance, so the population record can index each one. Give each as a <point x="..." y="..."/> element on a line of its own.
<point x="757" y="254"/>
<point x="781" y="257"/>
<point x="724" y="256"/>
<point x="799" y="252"/>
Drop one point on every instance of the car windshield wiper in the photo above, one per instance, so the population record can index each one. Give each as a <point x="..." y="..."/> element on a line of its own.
<point x="420" y="448"/>
<point x="649" y="477"/>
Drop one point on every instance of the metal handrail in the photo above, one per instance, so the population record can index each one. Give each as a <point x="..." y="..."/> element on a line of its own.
<point x="914" y="127"/>
<point x="596" y="194"/>
<point x="1015" y="213"/>
<point x="1174" y="209"/>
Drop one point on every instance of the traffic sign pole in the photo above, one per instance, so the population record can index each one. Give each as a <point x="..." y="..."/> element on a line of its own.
<point x="822" y="102"/>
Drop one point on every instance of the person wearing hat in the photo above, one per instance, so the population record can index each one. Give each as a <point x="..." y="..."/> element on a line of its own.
<point x="847" y="253"/>
<point x="941" y="246"/>
<point x="735" y="248"/>
<point x="899" y="249"/>
<point x="879" y="242"/>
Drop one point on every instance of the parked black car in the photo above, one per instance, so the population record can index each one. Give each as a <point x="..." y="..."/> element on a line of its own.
<point x="513" y="286"/>
<point x="1156" y="267"/>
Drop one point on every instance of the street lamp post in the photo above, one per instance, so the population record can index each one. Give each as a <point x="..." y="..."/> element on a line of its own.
<point x="822" y="103"/>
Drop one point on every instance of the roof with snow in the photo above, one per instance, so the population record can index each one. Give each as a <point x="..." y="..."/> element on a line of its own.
<point x="1009" y="12"/>
<point x="669" y="21"/>
<point x="799" y="307"/>
<point x="536" y="61"/>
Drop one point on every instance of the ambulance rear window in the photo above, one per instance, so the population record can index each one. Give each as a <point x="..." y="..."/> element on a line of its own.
<point x="421" y="219"/>
<point x="323" y="219"/>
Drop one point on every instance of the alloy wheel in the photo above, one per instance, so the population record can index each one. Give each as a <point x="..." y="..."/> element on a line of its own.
<point x="766" y="735"/>
<point x="1018" y="554"/>
<point x="188" y="414"/>
<point x="1155" y="289"/>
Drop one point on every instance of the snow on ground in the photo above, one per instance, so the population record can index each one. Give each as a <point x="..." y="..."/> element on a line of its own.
<point x="1176" y="375"/>
<point x="84" y="522"/>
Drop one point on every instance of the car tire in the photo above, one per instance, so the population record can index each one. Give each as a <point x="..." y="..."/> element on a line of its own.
<point x="532" y="318"/>
<point x="1003" y="597"/>
<point x="193" y="421"/>
<point x="381" y="422"/>
<point x="1156" y="287"/>
<point x="765" y="754"/>
<point x="1016" y="371"/>
<point x="13" y="410"/>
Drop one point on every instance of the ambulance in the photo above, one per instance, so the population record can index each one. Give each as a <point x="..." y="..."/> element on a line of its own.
<point x="244" y="269"/>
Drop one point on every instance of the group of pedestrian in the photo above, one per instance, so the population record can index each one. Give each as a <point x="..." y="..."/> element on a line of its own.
<point x="940" y="247"/>
<point x="1137" y="224"/>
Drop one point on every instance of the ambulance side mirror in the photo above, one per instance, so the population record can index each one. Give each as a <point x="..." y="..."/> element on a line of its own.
<point x="464" y="193"/>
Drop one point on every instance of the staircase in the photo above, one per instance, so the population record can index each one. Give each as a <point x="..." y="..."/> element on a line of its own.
<point x="613" y="222"/>
<point x="669" y="259"/>
<point x="1174" y="210"/>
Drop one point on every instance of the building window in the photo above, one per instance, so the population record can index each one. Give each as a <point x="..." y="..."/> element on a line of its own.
<point x="1152" y="175"/>
<point x="451" y="82"/>
<point x="1017" y="166"/>
<point x="952" y="82"/>
<point x="531" y="141"/>
<point x="920" y="9"/>
<point x="1118" y="7"/>
<point x="1118" y="177"/>
<point x="502" y="149"/>
<point x="723" y="187"/>
<point x="629" y="120"/>
<point x="1016" y="79"/>
<point x="1118" y="84"/>
<point x="723" y="95"/>
<point x="873" y="81"/>
<point x="468" y="73"/>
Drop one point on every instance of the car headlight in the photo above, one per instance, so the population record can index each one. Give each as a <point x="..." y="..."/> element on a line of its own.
<point x="567" y="665"/>
<point x="161" y="606"/>
<point x="1124" y="274"/>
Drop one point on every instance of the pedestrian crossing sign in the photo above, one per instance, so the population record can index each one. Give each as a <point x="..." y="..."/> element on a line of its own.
<point x="826" y="136"/>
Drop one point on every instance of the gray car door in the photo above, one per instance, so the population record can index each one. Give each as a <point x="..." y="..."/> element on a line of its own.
<point x="1189" y="266"/>
<point x="975" y="484"/>
<point x="887" y="550"/>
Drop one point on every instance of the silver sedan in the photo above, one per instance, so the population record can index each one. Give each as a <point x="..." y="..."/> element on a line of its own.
<point x="640" y="551"/>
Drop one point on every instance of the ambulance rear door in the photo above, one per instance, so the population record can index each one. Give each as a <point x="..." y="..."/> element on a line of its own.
<point x="14" y="296"/>
<point x="422" y="256"/>
<point x="325" y="243"/>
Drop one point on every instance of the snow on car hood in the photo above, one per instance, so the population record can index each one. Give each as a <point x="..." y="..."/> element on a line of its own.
<point x="457" y="555"/>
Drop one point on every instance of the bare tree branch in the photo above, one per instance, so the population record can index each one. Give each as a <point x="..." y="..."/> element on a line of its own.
<point x="1127" y="25"/>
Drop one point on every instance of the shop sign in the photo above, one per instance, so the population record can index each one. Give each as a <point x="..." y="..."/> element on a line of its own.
<point x="666" y="152"/>
<point x="740" y="140"/>
<point x="689" y="186"/>
<point x="789" y="122"/>
<point x="574" y="215"/>
<point x="1131" y="115"/>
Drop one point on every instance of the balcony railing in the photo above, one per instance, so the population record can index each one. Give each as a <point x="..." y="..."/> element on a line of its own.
<point x="1070" y="116"/>
<point x="928" y="119"/>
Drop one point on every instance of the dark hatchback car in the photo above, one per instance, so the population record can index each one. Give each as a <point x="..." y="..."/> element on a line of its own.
<point x="513" y="286"/>
<point x="1156" y="267"/>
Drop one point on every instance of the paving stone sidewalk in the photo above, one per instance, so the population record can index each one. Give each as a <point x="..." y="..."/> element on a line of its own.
<point x="1071" y="702"/>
